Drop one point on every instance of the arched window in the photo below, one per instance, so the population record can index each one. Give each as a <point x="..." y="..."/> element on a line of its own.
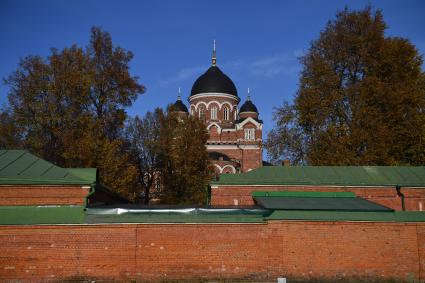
<point x="214" y="113"/>
<point x="226" y="113"/>
<point x="202" y="113"/>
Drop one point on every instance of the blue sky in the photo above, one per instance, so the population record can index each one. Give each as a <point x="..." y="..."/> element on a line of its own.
<point x="258" y="42"/>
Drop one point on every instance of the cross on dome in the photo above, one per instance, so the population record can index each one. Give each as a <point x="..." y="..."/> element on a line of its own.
<point x="214" y="58"/>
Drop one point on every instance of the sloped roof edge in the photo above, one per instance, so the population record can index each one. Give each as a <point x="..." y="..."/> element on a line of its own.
<point x="19" y="167"/>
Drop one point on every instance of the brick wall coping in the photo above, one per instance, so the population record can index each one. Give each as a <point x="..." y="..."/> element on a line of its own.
<point x="215" y="185"/>
<point x="39" y="215"/>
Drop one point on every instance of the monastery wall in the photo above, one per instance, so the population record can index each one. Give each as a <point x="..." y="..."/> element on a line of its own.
<point x="414" y="198"/>
<point x="297" y="250"/>
<point x="43" y="195"/>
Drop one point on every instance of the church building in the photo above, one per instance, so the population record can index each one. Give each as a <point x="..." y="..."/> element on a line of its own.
<point x="235" y="134"/>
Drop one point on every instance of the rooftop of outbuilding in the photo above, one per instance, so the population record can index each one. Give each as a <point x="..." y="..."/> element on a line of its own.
<point x="329" y="175"/>
<point x="19" y="167"/>
<point x="316" y="201"/>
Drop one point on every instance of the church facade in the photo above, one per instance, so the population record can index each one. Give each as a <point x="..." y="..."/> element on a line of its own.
<point x="235" y="134"/>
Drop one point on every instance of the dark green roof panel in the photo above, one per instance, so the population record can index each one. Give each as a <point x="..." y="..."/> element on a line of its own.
<point x="329" y="175"/>
<point x="28" y="215"/>
<point x="305" y="215"/>
<point x="19" y="167"/>
<point x="319" y="203"/>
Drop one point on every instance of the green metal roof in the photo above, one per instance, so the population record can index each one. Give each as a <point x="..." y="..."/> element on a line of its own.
<point x="28" y="215"/>
<point x="329" y="175"/>
<point x="336" y="201"/>
<point x="34" y="215"/>
<point x="89" y="174"/>
<point x="396" y="216"/>
<point x="19" y="167"/>
<point x="319" y="203"/>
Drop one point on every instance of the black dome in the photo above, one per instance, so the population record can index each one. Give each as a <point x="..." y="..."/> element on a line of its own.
<point x="214" y="80"/>
<point x="248" y="106"/>
<point x="179" y="106"/>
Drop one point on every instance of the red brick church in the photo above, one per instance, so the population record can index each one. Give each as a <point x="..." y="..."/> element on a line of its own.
<point x="235" y="143"/>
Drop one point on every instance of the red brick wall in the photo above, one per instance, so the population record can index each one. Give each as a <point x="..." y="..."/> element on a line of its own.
<point x="312" y="250"/>
<point x="43" y="195"/>
<point x="229" y="195"/>
<point x="420" y="230"/>
<point x="292" y="249"/>
<point x="252" y="159"/>
<point x="414" y="198"/>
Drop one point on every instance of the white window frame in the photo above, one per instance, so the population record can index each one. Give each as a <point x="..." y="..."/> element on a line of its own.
<point x="214" y="113"/>
<point x="202" y="113"/>
<point x="226" y="113"/>
<point x="250" y="134"/>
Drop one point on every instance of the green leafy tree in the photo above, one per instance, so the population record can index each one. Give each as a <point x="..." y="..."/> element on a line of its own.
<point x="69" y="108"/>
<point x="360" y="101"/>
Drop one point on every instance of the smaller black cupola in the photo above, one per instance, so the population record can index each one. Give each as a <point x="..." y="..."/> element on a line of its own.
<point x="248" y="106"/>
<point x="179" y="106"/>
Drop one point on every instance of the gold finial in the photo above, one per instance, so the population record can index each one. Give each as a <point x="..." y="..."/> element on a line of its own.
<point x="214" y="58"/>
<point x="249" y="96"/>
<point x="179" y="97"/>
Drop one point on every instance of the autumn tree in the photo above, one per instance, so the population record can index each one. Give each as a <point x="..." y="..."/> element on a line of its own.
<point x="169" y="149"/>
<point x="9" y="138"/>
<point x="361" y="99"/>
<point x="142" y="136"/>
<point x="184" y="164"/>
<point x="69" y="108"/>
